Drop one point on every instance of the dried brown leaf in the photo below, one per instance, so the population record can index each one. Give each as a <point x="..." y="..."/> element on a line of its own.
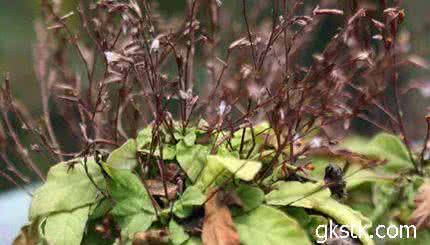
<point x="421" y="215"/>
<point x="156" y="188"/>
<point x="218" y="227"/>
<point x="27" y="236"/>
<point x="151" y="237"/>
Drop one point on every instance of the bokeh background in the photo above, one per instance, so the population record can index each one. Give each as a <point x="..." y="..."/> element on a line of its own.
<point x="17" y="40"/>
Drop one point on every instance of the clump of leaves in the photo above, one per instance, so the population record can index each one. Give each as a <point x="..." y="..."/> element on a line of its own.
<point x="221" y="199"/>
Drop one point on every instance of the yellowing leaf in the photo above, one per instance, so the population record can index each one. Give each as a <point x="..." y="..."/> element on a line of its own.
<point x="242" y="169"/>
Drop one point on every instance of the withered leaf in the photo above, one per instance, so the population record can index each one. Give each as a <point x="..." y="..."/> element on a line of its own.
<point x="218" y="227"/>
<point x="242" y="42"/>
<point x="151" y="237"/>
<point x="346" y="155"/>
<point x="156" y="188"/>
<point x="320" y="11"/>
<point x="26" y="237"/>
<point x="421" y="215"/>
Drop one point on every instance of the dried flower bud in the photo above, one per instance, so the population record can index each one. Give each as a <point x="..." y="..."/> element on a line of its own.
<point x="35" y="147"/>
<point x="379" y="25"/>
<point x="240" y="43"/>
<point x="318" y="11"/>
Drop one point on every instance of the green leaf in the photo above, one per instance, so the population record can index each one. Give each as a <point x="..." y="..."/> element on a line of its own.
<point x="169" y="152"/>
<point x="383" y="197"/>
<point x="133" y="209"/>
<point x="144" y="138"/>
<point x="385" y="146"/>
<point x="191" y="159"/>
<point x="135" y="223"/>
<point x="267" y="225"/>
<point x="177" y="233"/>
<point x="66" y="228"/>
<point x="123" y="157"/>
<point x="100" y="208"/>
<point x="298" y="214"/>
<point x="67" y="188"/>
<point x="309" y="222"/>
<point x="392" y="148"/>
<point x="258" y="130"/>
<point x="39" y="225"/>
<point x="251" y="197"/>
<point x="191" y="197"/>
<point x="129" y="193"/>
<point x="422" y="237"/>
<point x="225" y="151"/>
<point x="356" y="177"/>
<point x="343" y="215"/>
<point x="310" y="196"/>
<point x="130" y="206"/>
<point x="314" y="222"/>
<point x="193" y="241"/>
<point x="391" y="144"/>
<point x="190" y="138"/>
<point x="92" y="237"/>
